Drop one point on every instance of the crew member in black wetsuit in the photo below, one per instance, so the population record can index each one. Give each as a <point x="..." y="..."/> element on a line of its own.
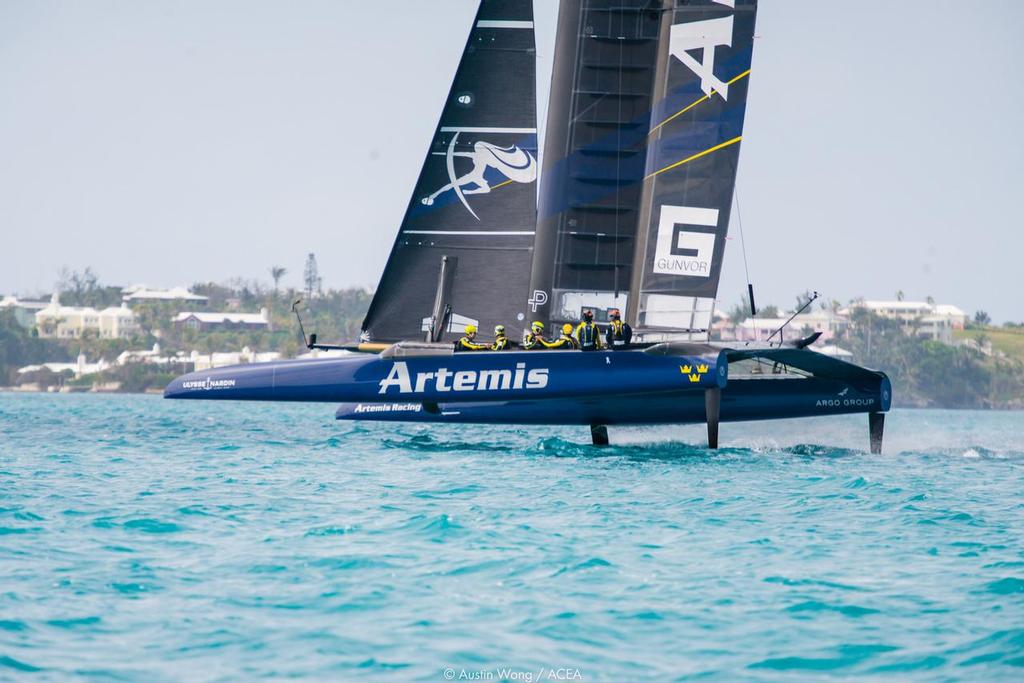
<point x="501" y="342"/>
<point x="619" y="333"/>
<point x="534" y="339"/>
<point x="566" y="341"/>
<point x="468" y="343"/>
<point x="588" y="334"/>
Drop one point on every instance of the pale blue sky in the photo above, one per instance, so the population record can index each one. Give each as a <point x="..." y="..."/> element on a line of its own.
<point x="169" y="142"/>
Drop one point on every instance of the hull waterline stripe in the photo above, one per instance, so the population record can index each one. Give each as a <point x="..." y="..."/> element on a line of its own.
<point x="698" y="155"/>
<point x="694" y="104"/>
<point x="490" y="23"/>
<point x="468" y="232"/>
<point x="477" y="129"/>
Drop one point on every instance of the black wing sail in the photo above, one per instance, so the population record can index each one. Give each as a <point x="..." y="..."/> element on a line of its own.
<point x="647" y="104"/>
<point x="594" y="152"/>
<point x="693" y="151"/>
<point x="475" y="200"/>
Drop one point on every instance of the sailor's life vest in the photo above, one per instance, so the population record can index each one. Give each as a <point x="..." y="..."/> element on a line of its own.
<point x="533" y="341"/>
<point x="564" y="342"/>
<point x="589" y="336"/>
<point x="467" y="344"/>
<point x="618" y="334"/>
<point x="500" y="344"/>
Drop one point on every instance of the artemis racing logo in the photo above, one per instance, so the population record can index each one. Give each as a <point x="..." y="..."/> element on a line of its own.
<point x="208" y="384"/>
<point x="388" y="408"/>
<point x="443" y="379"/>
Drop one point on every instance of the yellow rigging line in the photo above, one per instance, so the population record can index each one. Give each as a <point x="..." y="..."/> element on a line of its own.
<point x="698" y="155"/>
<point x="694" y="104"/>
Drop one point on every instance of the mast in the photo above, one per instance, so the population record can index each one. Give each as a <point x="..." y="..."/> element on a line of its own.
<point x="594" y="153"/>
<point x="556" y="149"/>
<point x="660" y="85"/>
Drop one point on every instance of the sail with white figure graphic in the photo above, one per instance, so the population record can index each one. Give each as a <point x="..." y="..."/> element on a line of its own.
<point x="475" y="199"/>
<point x="514" y="164"/>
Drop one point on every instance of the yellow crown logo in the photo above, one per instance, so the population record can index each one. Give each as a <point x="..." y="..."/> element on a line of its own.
<point x="702" y="369"/>
<point x="694" y="378"/>
<point x="685" y="369"/>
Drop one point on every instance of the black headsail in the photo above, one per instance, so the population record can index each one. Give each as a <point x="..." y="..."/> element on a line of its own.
<point x="475" y="200"/>
<point x="693" y="151"/>
<point x="646" y="113"/>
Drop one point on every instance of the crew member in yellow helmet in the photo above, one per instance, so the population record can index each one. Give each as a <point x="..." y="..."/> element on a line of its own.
<point x="468" y="341"/>
<point x="566" y="341"/>
<point x="534" y="338"/>
<point x="501" y="342"/>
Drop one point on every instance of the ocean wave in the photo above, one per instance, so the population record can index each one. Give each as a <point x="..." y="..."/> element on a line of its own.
<point x="269" y="541"/>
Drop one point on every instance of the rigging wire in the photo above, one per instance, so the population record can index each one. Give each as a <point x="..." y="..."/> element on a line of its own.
<point x="739" y="220"/>
<point x="618" y="165"/>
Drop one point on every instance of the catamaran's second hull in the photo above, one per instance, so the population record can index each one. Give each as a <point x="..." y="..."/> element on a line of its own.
<point x="767" y="398"/>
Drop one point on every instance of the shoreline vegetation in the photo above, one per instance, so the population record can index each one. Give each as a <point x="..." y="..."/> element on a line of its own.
<point x="983" y="368"/>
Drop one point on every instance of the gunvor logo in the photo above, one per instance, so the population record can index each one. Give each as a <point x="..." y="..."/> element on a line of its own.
<point x="679" y="251"/>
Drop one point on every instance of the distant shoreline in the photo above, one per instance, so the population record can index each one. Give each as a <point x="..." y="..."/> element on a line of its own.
<point x="80" y="390"/>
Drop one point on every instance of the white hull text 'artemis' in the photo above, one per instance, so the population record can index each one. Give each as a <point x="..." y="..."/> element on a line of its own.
<point x="464" y="380"/>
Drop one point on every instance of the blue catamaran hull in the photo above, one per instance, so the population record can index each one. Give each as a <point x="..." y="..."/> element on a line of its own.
<point x="665" y="384"/>
<point x="741" y="400"/>
<point x="435" y="376"/>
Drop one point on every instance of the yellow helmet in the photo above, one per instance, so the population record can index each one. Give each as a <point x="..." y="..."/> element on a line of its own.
<point x="567" y="329"/>
<point x="499" y="329"/>
<point x="470" y="329"/>
<point x="537" y="325"/>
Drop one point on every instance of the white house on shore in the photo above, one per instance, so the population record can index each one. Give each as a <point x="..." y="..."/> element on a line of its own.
<point x="828" y="323"/>
<point x="72" y="322"/>
<point x="923" y="318"/>
<point x="24" y="309"/>
<point x="79" y="367"/>
<point x="217" y="360"/>
<point x="198" y="320"/>
<point x="141" y="293"/>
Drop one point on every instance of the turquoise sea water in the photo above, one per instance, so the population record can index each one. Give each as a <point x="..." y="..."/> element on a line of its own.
<point x="143" y="539"/>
